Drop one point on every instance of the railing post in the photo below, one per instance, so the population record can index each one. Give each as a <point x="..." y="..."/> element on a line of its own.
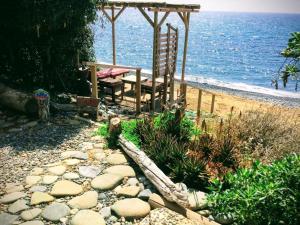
<point x="94" y="81"/>
<point x="138" y="91"/>
<point x="199" y="106"/>
<point x="212" y="103"/>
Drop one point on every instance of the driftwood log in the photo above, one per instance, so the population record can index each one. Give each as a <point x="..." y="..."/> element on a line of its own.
<point x="18" y="100"/>
<point x="164" y="185"/>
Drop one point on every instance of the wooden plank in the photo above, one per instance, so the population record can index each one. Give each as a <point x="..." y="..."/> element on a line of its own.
<point x="172" y="10"/>
<point x="163" y="19"/>
<point x="113" y="34"/>
<point x="154" y="73"/>
<point x="212" y="107"/>
<point x="186" y="37"/>
<point x="94" y="81"/>
<point x="146" y="16"/>
<point x="138" y="91"/>
<point x="199" y="106"/>
<point x="108" y="65"/>
<point x="119" y="13"/>
<point x="166" y="39"/>
<point x="87" y="101"/>
<point x="106" y="14"/>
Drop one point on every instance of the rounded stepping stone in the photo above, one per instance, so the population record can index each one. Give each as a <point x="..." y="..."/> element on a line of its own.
<point x="130" y="191"/>
<point x="74" y="154"/>
<point x="18" y="206"/>
<point x="57" y="170"/>
<point x="86" y="201"/>
<point x="116" y="159"/>
<point x="87" y="217"/>
<point x="53" y="164"/>
<point x="30" y="214"/>
<point x="131" y="208"/>
<point x="124" y="171"/>
<point x="99" y="145"/>
<point x="99" y="156"/>
<point x="106" y="181"/>
<point x="7" y="219"/>
<point x="34" y="222"/>
<point x="89" y="171"/>
<point x="38" y="188"/>
<point x="71" y="176"/>
<point x="72" y="162"/>
<point x="49" y="179"/>
<point x="40" y="197"/>
<point x="32" y="180"/>
<point x="37" y="171"/>
<point x="13" y="188"/>
<point x="55" y="211"/>
<point x="12" y="197"/>
<point x="65" y="187"/>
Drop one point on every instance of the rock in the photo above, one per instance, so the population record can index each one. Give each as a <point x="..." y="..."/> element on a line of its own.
<point x="86" y="201"/>
<point x="163" y="216"/>
<point x="197" y="200"/>
<point x="11" y="197"/>
<point x="40" y="197"/>
<point x="116" y="159"/>
<point x="223" y="219"/>
<point x="57" y="170"/>
<point x="32" y="180"/>
<point x="124" y="171"/>
<point x="71" y="162"/>
<point x="49" y="179"/>
<point x="102" y="196"/>
<point x="129" y="191"/>
<point x="37" y="171"/>
<point x="106" y="181"/>
<point x="30" y="214"/>
<point x="205" y="213"/>
<point x="53" y="164"/>
<point x="7" y="219"/>
<point x="99" y="145"/>
<point x="38" y="188"/>
<point x="74" y="154"/>
<point x="13" y="188"/>
<point x="18" y="206"/>
<point x="71" y="176"/>
<point x="105" y="212"/>
<point x="89" y="171"/>
<point x="145" y="194"/>
<point x="55" y="211"/>
<point x="132" y="182"/>
<point x="74" y="211"/>
<point x="34" y="222"/>
<point x="87" y="217"/>
<point x="65" y="187"/>
<point x="131" y="208"/>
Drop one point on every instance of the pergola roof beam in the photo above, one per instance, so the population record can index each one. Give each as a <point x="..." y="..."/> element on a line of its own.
<point x="146" y="16"/>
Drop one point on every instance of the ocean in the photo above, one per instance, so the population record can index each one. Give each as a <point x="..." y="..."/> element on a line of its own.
<point x="237" y="50"/>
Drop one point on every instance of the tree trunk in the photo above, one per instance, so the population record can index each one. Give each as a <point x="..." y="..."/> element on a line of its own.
<point x="18" y="100"/>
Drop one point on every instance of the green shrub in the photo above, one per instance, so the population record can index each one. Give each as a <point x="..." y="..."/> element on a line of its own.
<point x="102" y="130"/>
<point x="262" y="194"/>
<point x="129" y="131"/>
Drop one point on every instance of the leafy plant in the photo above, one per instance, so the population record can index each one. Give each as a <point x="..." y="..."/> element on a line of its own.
<point x="129" y="131"/>
<point x="262" y="194"/>
<point x="102" y="130"/>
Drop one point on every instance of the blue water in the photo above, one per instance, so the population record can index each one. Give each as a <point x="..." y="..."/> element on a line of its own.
<point x="223" y="46"/>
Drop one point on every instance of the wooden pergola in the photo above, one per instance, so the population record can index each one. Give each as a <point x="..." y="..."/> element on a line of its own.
<point x="182" y="7"/>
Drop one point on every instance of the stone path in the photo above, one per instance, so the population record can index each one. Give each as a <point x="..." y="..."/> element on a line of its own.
<point x="81" y="183"/>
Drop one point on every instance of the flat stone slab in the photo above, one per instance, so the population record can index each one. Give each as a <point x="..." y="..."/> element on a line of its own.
<point x="49" y="179"/>
<point x="55" y="211"/>
<point x="129" y="191"/>
<point x="87" y="217"/>
<point x="145" y="194"/>
<point x="71" y="176"/>
<point x="74" y="154"/>
<point x="71" y="162"/>
<point x="65" y="187"/>
<point x="40" y="197"/>
<point x="124" y="171"/>
<point x="32" y="180"/>
<point x="89" y="171"/>
<point x="38" y="188"/>
<point x="57" y="170"/>
<point x="13" y="188"/>
<point x="7" y="219"/>
<point x="30" y="214"/>
<point x="86" y="201"/>
<point x="12" y="197"/>
<point x="106" y="181"/>
<point x="116" y="159"/>
<point x="34" y="222"/>
<point x="18" y="206"/>
<point x="131" y="208"/>
<point x="99" y="156"/>
<point x="37" y="171"/>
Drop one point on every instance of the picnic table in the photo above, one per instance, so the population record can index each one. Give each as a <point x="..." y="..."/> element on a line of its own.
<point x="112" y="73"/>
<point x="112" y="84"/>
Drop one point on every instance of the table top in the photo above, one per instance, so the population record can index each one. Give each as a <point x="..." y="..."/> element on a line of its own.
<point x="111" y="72"/>
<point x="110" y="81"/>
<point x="132" y="78"/>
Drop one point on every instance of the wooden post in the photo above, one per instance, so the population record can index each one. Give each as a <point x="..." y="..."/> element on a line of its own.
<point x="113" y="34"/>
<point x="183" y="87"/>
<point x="154" y="70"/>
<point x="199" y="106"/>
<point x="212" y="104"/>
<point x="94" y="81"/>
<point x="167" y="67"/>
<point x="138" y="91"/>
<point x="187" y="24"/>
